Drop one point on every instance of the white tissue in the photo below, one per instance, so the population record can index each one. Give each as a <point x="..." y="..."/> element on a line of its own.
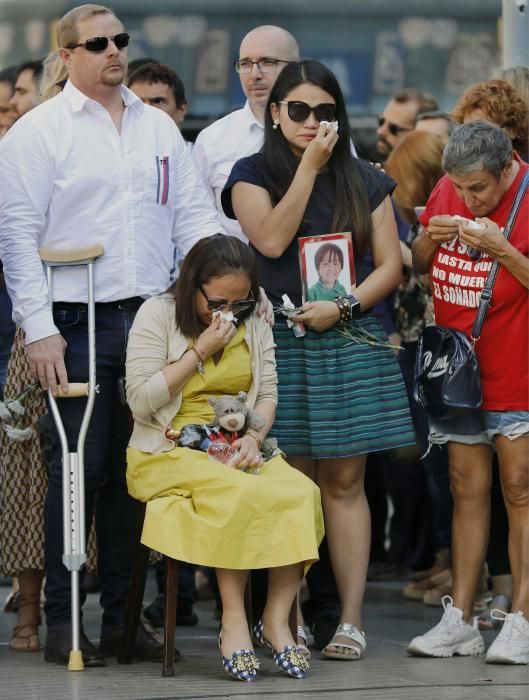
<point x="330" y="125"/>
<point x="469" y="222"/>
<point x="223" y="317"/>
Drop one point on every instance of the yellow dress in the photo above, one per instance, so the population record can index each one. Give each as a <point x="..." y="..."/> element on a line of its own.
<point x="204" y="512"/>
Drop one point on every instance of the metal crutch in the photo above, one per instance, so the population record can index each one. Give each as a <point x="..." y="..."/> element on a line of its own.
<point x="73" y="493"/>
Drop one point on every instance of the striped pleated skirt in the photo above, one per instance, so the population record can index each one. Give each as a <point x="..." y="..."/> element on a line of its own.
<point x="339" y="394"/>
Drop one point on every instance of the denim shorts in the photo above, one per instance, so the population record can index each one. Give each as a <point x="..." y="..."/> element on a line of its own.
<point x="478" y="427"/>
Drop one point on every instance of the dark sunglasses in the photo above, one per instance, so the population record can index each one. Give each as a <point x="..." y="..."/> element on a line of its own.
<point x="299" y="111"/>
<point x="236" y="307"/>
<point x="100" y="43"/>
<point x="394" y="129"/>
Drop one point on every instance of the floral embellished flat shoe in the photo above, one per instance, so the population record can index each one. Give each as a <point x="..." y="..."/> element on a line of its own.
<point x="259" y="635"/>
<point x="291" y="660"/>
<point x="243" y="664"/>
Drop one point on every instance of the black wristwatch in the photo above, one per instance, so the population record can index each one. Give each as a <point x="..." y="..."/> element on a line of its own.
<point x="355" y="305"/>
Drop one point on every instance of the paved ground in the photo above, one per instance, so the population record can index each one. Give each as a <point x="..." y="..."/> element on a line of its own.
<point x="387" y="673"/>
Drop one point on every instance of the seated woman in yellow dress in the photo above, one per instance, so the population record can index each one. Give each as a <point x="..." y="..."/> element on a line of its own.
<point x="251" y="514"/>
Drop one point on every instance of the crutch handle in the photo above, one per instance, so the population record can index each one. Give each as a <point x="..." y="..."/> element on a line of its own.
<point x="75" y="389"/>
<point x="77" y="256"/>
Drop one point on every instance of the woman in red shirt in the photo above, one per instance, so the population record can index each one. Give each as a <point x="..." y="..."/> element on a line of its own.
<point x="483" y="176"/>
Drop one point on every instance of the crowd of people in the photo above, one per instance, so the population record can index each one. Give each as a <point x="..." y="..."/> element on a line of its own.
<point x="199" y="295"/>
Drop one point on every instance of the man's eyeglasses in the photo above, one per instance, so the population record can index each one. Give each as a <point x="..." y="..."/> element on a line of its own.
<point x="236" y="307"/>
<point x="265" y="65"/>
<point x="99" y="43"/>
<point x="394" y="129"/>
<point x="299" y="111"/>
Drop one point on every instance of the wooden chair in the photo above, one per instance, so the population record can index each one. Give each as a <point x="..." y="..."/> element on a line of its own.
<point x="135" y="600"/>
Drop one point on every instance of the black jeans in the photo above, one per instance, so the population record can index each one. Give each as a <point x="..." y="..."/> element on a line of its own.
<point x="105" y="465"/>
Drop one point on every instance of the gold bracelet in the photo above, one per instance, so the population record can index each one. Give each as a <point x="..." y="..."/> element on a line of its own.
<point x="200" y="361"/>
<point x="257" y="439"/>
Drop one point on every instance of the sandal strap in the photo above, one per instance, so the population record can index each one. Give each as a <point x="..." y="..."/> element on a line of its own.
<point x="25" y="631"/>
<point x="302" y="634"/>
<point x="345" y="629"/>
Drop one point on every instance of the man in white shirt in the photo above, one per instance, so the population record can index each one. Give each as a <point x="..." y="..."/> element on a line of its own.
<point x="93" y="165"/>
<point x="263" y="53"/>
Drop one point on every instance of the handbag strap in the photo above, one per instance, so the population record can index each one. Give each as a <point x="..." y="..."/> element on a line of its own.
<point x="486" y="294"/>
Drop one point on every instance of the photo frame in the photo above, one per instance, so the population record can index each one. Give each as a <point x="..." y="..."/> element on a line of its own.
<point x="326" y="266"/>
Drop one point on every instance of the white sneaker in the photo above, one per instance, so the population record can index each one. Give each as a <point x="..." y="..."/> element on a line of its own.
<point x="511" y="646"/>
<point x="451" y="636"/>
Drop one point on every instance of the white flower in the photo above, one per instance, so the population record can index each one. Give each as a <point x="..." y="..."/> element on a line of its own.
<point x="18" y="434"/>
<point x="4" y="412"/>
<point x="16" y="407"/>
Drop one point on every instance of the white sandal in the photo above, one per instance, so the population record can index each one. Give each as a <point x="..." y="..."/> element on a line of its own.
<point x="303" y="648"/>
<point x="344" y="629"/>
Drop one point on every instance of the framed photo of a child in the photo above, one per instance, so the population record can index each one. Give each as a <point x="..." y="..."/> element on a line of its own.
<point x="327" y="266"/>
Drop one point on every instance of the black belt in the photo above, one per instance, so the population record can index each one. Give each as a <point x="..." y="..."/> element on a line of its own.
<point x="130" y="304"/>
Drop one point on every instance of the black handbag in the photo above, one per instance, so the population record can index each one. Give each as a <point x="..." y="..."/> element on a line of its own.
<point x="447" y="378"/>
<point x="446" y="372"/>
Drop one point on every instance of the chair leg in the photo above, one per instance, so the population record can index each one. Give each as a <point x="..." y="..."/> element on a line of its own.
<point x="135" y="595"/>
<point x="171" y="590"/>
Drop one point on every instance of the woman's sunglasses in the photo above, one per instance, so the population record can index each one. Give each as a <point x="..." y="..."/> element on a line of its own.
<point x="299" y="111"/>
<point x="394" y="129"/>
<point x="236" y="307"/>
<point x="100" y="43"/>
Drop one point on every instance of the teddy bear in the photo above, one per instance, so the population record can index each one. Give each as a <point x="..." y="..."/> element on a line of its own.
<point x="232" y="418"/>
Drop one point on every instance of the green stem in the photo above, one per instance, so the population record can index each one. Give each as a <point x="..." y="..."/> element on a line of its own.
<point x="21" y="397"/>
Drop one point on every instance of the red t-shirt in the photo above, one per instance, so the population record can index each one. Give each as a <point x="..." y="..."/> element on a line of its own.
<point x="457" y="281"/>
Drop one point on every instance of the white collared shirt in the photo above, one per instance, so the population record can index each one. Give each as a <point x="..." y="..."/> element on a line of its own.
<point x="69" y="180"/>
<point x="218" y="147"/>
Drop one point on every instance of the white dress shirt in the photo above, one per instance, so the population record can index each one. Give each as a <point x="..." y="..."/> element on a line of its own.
<point x="69" y="179"/>
<point x="218" y="147"/>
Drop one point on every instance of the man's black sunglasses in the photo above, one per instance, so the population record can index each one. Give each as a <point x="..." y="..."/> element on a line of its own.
<point x="100" y="43"/>
<point x="299" y="111"/>
<point x="234" y="306"/>
<point x="394" y="129"/>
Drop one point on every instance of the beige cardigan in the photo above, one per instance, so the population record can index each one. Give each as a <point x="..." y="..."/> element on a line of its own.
<point x="154" y="342"/>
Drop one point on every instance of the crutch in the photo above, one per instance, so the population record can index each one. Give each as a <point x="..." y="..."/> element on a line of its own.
<point x="74" y="554"/>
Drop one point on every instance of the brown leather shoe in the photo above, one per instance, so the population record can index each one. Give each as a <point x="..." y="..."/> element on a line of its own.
<point x="416" y="589"/>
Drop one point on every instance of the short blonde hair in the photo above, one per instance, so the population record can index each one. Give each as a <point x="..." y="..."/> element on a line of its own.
<point x="53" y="72"/>
<point x="68" y="29"/>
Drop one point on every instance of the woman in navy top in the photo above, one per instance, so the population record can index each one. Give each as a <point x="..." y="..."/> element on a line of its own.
<point x="341" y="394"/>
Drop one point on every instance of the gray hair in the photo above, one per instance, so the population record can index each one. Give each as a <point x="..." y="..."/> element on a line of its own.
<point x="477" y="146"/>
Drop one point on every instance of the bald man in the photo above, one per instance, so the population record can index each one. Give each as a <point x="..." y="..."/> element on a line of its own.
<point x="263" y="53"/>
